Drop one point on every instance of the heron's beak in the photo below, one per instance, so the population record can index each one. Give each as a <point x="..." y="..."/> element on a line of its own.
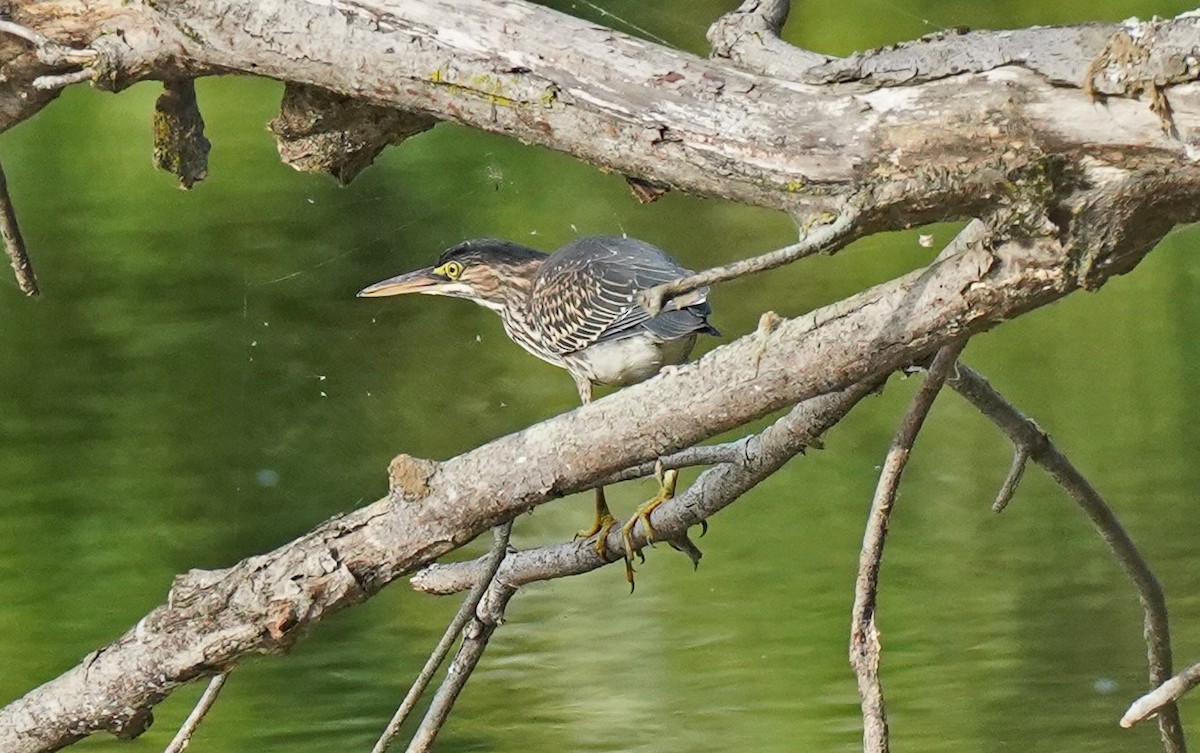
<point x="420" y="281"/>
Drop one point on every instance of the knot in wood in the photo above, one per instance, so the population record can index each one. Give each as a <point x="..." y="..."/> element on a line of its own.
<point x="115" y="63"/>
<point x="409" y="476"/>
<point x="281" y="618"/>
<point x="131" y="722"/>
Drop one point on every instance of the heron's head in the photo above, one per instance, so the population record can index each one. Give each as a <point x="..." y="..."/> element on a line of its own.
<point x="491" y="272"/>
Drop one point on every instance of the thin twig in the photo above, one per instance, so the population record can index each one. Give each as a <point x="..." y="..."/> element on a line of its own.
<point x="1169" y="692"/>
<point x="818" y="239"/>
<point x="59" y="81"/>
<point x="1024" y="432"/>
<point x="48" y="51"/>
<point x="702" y="454"/>
<point x="14" y="243"/>
<point x="180" y="742"/>
<point x="500" y="536"/>
<point x="1013" y="479"/>
<point x="712" y="491"/>
<point x="864" y="637"/>
<point x="24" y="32"/>
<point x="475" y="639"/>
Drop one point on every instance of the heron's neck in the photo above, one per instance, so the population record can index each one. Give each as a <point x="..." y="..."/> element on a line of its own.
<point x="517" y="314"/>
<point x="512" y="304"/>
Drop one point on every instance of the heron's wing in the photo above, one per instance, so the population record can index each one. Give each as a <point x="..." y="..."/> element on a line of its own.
<point x="587" y="292"/>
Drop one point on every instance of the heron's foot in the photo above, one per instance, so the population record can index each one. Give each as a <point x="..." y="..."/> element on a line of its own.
<point x="666" y="490"/>
<point x="685" y="545"/>
<point x="603" y="524"/>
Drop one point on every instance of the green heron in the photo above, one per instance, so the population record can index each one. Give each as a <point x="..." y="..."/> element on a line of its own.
<point x="578" y="309"/>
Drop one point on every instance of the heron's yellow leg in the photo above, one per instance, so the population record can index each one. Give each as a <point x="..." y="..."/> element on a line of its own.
<point x="666" y="490"/>
<point x="601" y="526"/>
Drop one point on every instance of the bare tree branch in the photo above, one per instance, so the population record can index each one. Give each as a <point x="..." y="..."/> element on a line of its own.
<point x="760" y="456"/>
<point x="749" y="36"/>
<point x="183" y="737"/>
<point x="48" y="51"/>
<point x="215" y="618"/>
<point x="1167" y="693"/>
<point x="670" y="118"/>
<point x="63" y="80"/>
<point x="864" y="636"/>
<point x="1013" y="479"/>
<point x="475" y="639"/>
<point x="1072" y="202"/>
<point x="466" y="612"/>
<point x="820" y="238"/>
<point x="14" y="243"/>
<point x="1023" y="432"/>
<point x="701" y="454"/>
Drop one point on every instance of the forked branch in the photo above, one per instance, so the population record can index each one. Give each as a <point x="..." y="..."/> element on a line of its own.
<point x="1023" y="432"/>
<point x="465" y="614"/>
<point x="760" y="456"/>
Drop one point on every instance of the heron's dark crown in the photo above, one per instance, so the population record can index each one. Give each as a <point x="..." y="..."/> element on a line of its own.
<point x="493" y="252"/>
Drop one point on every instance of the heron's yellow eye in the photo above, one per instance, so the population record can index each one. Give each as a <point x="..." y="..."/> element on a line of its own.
<point x="451" y="269"/>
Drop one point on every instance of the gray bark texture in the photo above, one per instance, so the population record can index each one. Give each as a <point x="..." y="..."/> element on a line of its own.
<point x="1076" y="147"/>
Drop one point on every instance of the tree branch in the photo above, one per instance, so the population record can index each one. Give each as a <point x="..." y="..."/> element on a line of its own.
<point x="47" y="50"/>
<point x="864" y="637"/>
<point x="823" y="238"/>
<point x="749" y="36"/>
<point x="759" y="456"/>
<point x="475" y="639"/>
<point x="1167" y="693"/>
<point x="1015" y="472"/>
<point x="1023" y="432"/>
<point x="489" y="565"/>
<point x="212" y="619"/>
<point x="14" y="243"/>
<point x="1072" y="202"/>
<point x="183" y="737"/>
<point x="674" y="119"/>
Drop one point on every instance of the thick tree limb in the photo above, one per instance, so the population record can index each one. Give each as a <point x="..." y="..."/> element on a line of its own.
<point x="672" y="118"/>
<point x="1023" y="432"/>
<point x="757" y="458"/>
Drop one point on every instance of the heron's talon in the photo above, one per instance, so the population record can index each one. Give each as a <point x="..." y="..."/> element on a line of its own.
<point x="600" y="529"/>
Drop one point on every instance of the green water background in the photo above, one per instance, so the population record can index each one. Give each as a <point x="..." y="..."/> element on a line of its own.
<point x="199" y="384"/>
